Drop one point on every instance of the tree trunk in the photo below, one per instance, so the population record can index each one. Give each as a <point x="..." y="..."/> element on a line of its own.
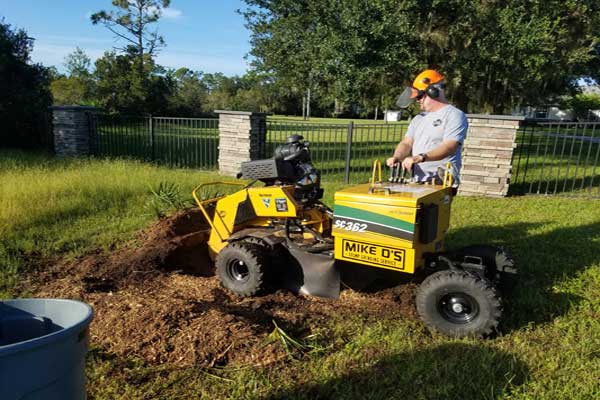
<point x="376" y="112"/>
<point x="140" y="38"/>
<point x="308" y="104"/>
<point x="303" y="107"/>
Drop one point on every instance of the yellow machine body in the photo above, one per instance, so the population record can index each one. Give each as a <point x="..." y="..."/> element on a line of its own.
<point x="391" y="227"/>
<point x="254" y="207"/>
<point x="280" y="234"/>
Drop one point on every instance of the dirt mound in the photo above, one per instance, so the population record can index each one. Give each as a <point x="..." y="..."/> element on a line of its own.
<point x="157" y="298"/>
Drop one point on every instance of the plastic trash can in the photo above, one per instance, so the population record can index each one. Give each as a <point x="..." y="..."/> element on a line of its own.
<point x="43" y="343"/>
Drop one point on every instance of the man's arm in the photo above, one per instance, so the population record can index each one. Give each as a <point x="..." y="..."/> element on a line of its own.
<point x="402" y="151"/>
<point x="446" y="148"/>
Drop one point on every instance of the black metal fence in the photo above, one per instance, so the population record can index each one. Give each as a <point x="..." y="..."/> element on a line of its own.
<point x="557" y="158"/>
<point x="549" y="158"/>
<point x="180" y="142"/>
<point x="342" y="152"/>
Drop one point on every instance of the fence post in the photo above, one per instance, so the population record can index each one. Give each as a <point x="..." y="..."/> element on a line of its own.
<point x="152" y="145"/>
<point x="488" y="154"/>
<point x="348" y="151"/>
<point x="71" y="127"/>
<point x="93" y="140"/>
<point x="241" y="134"/>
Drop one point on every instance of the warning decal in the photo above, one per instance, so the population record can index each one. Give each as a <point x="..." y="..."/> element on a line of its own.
<point x="281" y="204"/>
<point x="389" y="257"/>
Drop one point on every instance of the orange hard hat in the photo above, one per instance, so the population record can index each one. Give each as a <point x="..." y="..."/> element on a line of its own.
<point x="428" y="82"/>
<point x="424" y="80"/>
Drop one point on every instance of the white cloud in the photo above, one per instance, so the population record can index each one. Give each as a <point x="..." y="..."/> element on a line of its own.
<point x="54" y="54"/>
<point x="78" y="40"/>
<point x="171" y="13"/>
<point x="229" y="65"/>
<point x="167" y="13"/>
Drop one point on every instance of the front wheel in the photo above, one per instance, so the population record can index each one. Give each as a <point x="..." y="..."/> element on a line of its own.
<point x="241" y="268"/>
<point x="459" y="304"/>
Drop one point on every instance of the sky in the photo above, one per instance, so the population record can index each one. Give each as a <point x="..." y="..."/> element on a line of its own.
<point x="203" y="35"/>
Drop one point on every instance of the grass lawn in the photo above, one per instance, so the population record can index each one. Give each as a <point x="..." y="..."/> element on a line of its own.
<point x="548" y="159"/>
<point x="550" y="342"/>
<point x="320" y="120"/>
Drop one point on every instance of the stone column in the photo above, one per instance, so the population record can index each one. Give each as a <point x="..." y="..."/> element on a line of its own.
<point x="487" y="154"/>
<point x="242" y="136"/>
<point x="70" y="125"/>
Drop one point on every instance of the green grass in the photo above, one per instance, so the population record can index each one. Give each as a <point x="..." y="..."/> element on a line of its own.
<point x="51" y="207"/>
<point x="194" y="143"/>
<point x="179" y="142"/>
<point x="550" y="348"/>
<point x="556" y="159"/>
<point x="320" y="120"/>
<point x="329" y="145"/>
<point x="548" y="158"/>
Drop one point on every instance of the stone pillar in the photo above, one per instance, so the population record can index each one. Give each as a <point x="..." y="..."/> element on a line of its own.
<point x="242" y="136"/>
<point x="487" y="154"/>
<point x="70" y="125"/>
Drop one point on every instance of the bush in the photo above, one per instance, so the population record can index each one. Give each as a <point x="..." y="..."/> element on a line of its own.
<point x="25" y="90"/>
<point x="582" y="103"/>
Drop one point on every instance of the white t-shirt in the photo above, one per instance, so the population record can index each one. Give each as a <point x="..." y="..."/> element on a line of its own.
<point x="429" y="130"/>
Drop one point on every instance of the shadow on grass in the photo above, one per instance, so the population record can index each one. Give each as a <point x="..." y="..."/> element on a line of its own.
<point x="544" y="261"/>
<point x="449" y="371"/>
<point x="582" y="186"/>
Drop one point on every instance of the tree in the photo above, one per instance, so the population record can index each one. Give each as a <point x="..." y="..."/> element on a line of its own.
<point x="496" y="54"/>
<point x="24" y="87"/>
<point x="77" y="87"/>
<point x="189" y="93"/>
<point x="582" y="104"/>
<point x="131" y="22"/>
<point x="502" y="54"/>
<point x="120" y="89"/>
<point x="70" y="91"/>
<point x="78" y="64"/>
<point x="221" y="91"/>
<point x="288" y="39"/>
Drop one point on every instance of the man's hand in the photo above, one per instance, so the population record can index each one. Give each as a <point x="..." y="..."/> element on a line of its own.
<point x="407" y="163"/>
<point x="391" y="162"/>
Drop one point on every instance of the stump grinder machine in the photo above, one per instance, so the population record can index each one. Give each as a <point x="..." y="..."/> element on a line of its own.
<point x="279" y="234"/>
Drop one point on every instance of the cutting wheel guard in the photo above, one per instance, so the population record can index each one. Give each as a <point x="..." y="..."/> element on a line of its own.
<point x="316" y="275"/>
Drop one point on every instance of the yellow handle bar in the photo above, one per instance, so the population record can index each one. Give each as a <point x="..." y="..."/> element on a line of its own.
<point x="376" y="168"/>
<point x="202" y="203"/>
<point x="448" y="178"/>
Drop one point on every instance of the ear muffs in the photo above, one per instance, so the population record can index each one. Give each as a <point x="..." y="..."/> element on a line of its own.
<point x="432" y="90"/>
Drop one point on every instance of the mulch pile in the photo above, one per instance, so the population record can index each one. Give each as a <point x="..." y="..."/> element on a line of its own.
<point x="158" y="298"/>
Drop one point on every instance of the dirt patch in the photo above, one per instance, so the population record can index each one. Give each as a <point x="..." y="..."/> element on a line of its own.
<point x="157" y="298"/>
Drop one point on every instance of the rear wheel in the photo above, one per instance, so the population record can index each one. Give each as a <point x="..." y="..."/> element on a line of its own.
<point x="241" y="268"/>
<point x="459" y="304"/>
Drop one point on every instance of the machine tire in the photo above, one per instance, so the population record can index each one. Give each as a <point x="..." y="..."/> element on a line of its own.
<point x="459" y="304"/>
<point x="241" y="268"/>
<point x="271" y="256"/>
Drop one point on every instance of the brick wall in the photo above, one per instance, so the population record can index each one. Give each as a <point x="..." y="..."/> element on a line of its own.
<point x="487" y="155"/>
<point x="241" y="134"/>
<point x="71" y="130"/>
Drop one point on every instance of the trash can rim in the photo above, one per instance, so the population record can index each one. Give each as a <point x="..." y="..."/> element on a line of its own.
<point x="44" y="340"/>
